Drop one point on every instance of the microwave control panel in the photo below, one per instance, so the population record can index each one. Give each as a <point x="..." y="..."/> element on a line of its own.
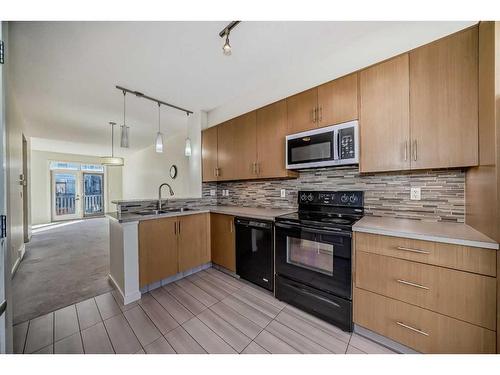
<point x="346" y="143"/>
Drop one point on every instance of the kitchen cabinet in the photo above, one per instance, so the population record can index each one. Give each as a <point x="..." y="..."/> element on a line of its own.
<point x="332" y="103"/>
<point x="271" y="133"/>
<point x="171" y="245"/>
<point x="193" y="240"/>
<point x="301" y="111"/>
<point x="384" y="116"/>
<point x="223" y="241"/>
<point x="244" y="155"/>
<point x="226" y="169"/>
<point x="338" y="101"/>
<point x="430" y="296"/>
<point x="157" y="250"/>
<point x="444" y="102"/>
<point x="209" y="154"/>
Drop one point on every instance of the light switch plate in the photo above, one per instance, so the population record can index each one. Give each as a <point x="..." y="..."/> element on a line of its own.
<point x="212" y="192"/>
<point x="282" y="193"/>
<point x="415" y="194"/>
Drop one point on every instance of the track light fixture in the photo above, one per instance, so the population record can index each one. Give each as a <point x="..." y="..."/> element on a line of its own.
<point x="226" y="48"/>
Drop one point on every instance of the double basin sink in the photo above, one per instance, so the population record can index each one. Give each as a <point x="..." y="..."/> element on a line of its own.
<point x="164" y="211"/>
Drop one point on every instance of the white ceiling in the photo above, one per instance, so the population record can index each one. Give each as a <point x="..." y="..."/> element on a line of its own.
<point x="64" y="73"/>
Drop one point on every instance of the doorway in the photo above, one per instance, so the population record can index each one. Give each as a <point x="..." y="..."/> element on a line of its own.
<point x="77" y="191"/>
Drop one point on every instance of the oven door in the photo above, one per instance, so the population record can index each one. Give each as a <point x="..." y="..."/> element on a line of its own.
<point x="311" y="149"/>
<point x="320" y="258"/>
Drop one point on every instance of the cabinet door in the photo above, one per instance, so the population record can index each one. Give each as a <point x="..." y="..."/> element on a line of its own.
<point x="226" y="151"/>
<point x="222" y="241"/>
<point x="244" y="156"/>
<point x="193" y="237"/>
<point x="271" y="132"/>
<point x="444" y="102"/>
<point x="301" y="111"/>
<point x="338" y="101"/>
<point x="157" y="250"/>
<point x="209" y="154"/>
<point x="384" y="116"/>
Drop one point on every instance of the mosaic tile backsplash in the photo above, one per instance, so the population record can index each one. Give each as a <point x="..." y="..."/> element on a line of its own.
<point x="386" y="194"/>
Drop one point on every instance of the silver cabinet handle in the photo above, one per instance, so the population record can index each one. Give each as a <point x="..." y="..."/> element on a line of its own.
<point x="406" y="150"/>
<point x="320" y="113"/>
<point x="175" y="228"/>
<point x="179" y="226"/>
<point x="412" y="284"/>
<point x="415" y="150"/>
<point x="314" y="115"/>
<point x="412" y="250"/>
<point x="412" y="328"/>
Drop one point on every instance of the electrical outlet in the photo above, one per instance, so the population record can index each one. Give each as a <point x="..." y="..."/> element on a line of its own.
<point x="227" y="193"/>
<point x="213" y="192"/>
<point x="282" y="193"/>
<point x="415" y="194"/>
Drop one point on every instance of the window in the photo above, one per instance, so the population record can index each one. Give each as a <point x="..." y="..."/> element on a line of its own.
<point x="76" y="166"/>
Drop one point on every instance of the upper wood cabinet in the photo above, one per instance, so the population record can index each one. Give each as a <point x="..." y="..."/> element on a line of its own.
<point x="338" y="101"/>
<point x="157" y="250"/>
<point x="244" y="157"/>
<point x="271" y="133"/>
<point x="444" y="102"/>
<point x="331" y="103"/>
<point x="209" y="154"/>
<point x="223" y="241"/>
<point x="384" y="116"/>
<point x="301" y="109"/>
<point x="226" y="169"/>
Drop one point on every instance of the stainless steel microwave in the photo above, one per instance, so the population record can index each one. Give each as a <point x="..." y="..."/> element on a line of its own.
<point x="329" y="146"/>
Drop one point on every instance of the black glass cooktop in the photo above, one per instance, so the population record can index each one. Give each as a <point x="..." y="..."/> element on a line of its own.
<point x="320" y="218"/>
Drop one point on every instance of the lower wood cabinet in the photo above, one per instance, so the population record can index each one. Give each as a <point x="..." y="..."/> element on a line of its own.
<point x="223" y="241"/>
<point x="193" y="241"/>
<point x="429" y="296"/>
<point x="418" y="328"/>
<point x="171" y="245"/>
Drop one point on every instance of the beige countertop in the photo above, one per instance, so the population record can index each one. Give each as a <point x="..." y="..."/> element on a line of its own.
<point x="250" y="212"/>
<point x="453" y="233"/>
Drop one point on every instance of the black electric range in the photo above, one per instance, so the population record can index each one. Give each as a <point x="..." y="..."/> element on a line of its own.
<point x="313" y="254"/>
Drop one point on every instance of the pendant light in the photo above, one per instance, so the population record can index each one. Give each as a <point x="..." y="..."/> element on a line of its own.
<point x="112" y="160"/>
<point x="124" y="143"/>
<point x="226" y="48"/>
<point x="159" y="136"/>
<point x="187" y="148"/>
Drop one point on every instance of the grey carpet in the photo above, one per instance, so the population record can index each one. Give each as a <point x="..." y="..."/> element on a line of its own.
<point x="63" y="265"/>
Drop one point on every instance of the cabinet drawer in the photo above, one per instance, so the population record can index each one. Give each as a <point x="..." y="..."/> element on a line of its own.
<point x="472" y="259"/>
<point x="458" y="294"/>
<point x="420" y="329"/>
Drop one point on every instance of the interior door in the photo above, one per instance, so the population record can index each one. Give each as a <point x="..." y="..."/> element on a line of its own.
<point x="65" y="195"/>
<point x="93" y="194"/>
<point x="5" y="327"/>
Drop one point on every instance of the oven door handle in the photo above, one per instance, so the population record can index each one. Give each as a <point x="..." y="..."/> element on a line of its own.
<point x="330" y="232"/>
<point x="314" y="295"/>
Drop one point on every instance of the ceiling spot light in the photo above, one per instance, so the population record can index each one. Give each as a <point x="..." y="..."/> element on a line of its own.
<point x="159" y="135"/>
<point x="226" y="48"/>
<point x="187" y="147"/>
<point x="112" y="160"/>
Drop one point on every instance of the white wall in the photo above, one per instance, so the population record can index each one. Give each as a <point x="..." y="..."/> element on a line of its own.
<point x="40" y="182"/>
<point x="145" y="170"/>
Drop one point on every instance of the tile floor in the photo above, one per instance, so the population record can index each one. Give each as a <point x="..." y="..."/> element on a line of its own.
<point x="208" y="312"/>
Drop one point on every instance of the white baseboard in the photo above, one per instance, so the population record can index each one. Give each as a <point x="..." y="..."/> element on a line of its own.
<point x="126" y="299"/>
<point x="20" y="255"/>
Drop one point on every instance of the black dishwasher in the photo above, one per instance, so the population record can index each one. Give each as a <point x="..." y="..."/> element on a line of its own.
<point x="255" y="251"/>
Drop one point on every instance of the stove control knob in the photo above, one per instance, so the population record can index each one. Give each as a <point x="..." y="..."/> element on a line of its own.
<point x="303" y="197"/>
<point x="310" y="198"/>
<point x="353" y="198"/>
<point x="344" y="198"/>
